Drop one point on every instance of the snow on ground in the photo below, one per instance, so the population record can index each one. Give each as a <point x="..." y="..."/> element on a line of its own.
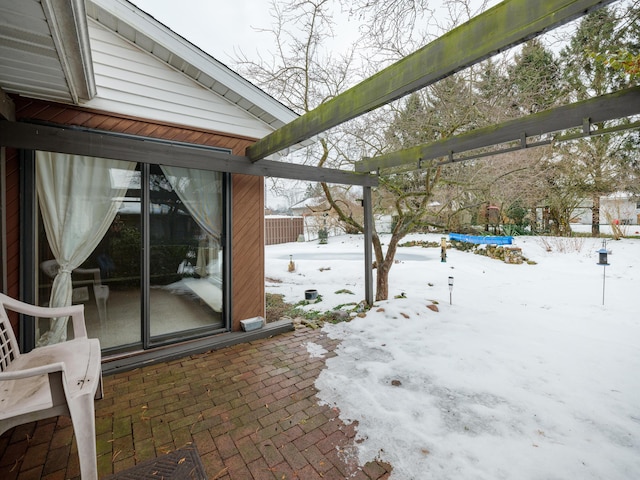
<point x="525" y="375"/>
<point x="315" y="350"/>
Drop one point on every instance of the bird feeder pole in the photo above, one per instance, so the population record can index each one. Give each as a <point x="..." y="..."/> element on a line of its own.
<point x="602" y="260"/>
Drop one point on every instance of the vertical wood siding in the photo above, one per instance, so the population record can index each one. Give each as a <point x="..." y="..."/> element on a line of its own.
<point x="248" y="248"/>
<point x="283" y="229"/>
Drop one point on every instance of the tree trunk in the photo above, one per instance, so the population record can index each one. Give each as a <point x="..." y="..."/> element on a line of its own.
<point x="534" y="220"/>
<point x="595" y="216"/>
<point x="382" y="282"/>
<point x="382" y="277"/>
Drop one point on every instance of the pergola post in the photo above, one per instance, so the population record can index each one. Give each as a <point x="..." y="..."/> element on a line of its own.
<point x="368" y="245"/>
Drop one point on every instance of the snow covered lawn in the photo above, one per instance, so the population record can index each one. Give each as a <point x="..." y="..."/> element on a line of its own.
<point x="526" y="375"/>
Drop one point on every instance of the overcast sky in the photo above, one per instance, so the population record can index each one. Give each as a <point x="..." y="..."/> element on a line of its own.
<point x="217" y="26"/>
<point x="223" y="27"/>
<point x="220" y="26"/>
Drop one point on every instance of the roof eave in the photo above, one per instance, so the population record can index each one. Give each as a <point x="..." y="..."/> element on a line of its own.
<point x="156" y="38"/>
<point x="70" y="33"/>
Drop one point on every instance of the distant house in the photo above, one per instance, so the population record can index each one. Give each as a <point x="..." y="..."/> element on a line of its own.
<point x="621" y="207"/>
<point x="317" y="215"/>
<point x="311" y="206"/>
<point x="136" y="223"/>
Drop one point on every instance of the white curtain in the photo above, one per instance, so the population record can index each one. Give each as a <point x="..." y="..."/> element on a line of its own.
<point x="200" y="191"/>
<point x="79" y="198"/>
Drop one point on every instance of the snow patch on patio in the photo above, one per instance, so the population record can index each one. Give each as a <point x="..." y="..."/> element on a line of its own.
<point x="315" y="350"/>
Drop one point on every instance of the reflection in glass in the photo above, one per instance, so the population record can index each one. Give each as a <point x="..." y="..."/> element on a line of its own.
<point x="104" y="269"/>
<point x="74" y="194"/>
<point x="185" y="251"/>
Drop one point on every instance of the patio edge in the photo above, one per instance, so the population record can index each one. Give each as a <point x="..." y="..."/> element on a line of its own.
<point x="164" y="354"/>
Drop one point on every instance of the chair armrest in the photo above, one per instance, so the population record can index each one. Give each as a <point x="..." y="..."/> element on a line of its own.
<point x="79" y="325"/>
<point x="32" y="372"/>
<point x="97" y="279"/>
<point x="76" y="312"/>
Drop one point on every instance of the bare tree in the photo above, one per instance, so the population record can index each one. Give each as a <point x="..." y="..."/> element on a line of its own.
<point x="304" y="75"/>
<point x="311" y="81"/>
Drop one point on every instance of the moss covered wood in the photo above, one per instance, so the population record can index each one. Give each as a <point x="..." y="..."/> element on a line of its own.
<point x="138" y="149"/>
<point x="580" y="114"/>
<point x="508" y="23"/>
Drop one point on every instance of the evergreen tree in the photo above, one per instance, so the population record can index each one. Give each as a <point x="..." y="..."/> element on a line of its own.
<point x="584" y="74"/>
<point x="534" y="78"/>
<point x="600" y="161"/>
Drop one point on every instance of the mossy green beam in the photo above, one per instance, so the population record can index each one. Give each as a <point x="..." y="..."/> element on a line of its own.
<point x="507" y="24"/>
<point x="73" y="141"/>
<point x="623" y="103"/>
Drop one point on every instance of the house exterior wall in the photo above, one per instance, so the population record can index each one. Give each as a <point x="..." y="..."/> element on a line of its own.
<point x="620" y="207"/>
<point x="248" y="248"/>
<point x="247" y="195"/>
<point x="131" y="82"/>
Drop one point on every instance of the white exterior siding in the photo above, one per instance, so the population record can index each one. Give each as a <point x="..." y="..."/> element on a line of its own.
<point x="621" y="207"/>
<point x="132" y="82"/>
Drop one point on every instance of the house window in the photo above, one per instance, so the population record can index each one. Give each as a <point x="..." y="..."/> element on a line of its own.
<point x="139" y="245"/>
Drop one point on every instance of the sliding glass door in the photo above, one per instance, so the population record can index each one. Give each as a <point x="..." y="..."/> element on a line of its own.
<point x="140" y="246"/>
<point x="185" y="251"/>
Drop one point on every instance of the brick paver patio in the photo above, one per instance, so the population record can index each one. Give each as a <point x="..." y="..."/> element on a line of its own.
<point x="250" y="409"/>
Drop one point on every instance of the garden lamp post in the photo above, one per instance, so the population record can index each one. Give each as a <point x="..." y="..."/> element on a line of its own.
<point x="602" y="260"/>
<point x="450" y="290"/>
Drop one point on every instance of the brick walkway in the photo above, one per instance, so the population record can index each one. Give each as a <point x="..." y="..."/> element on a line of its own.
<point x="251" y="410"/>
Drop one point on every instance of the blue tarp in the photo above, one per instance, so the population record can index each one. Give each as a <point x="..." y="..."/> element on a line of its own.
<point x="478" y="239"/>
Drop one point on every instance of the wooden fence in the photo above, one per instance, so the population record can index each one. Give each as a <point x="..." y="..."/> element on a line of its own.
<point x="282" y="229"/>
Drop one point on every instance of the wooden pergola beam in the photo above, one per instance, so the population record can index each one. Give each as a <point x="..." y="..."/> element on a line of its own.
<point x="499" y="28"/>
<point x="619" y="104"/>
<point x="137" y="149"/>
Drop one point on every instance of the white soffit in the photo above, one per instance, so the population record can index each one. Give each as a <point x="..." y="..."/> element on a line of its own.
<point x="45" y="51"/>
<point x="150" y="35"/>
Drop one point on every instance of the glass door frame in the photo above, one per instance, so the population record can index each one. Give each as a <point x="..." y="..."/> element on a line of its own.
<point x="29" y="236"/>
<point x="149" y="341"/>
<point x="3" y="221"/>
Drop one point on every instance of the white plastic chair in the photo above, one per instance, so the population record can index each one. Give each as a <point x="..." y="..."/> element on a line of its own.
<point x="59" y="379"/>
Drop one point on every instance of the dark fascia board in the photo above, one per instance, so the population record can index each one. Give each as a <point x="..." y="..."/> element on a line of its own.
<point x="139" y="149"/>
<point x="499" y="28"/>
<point x="619" y="104"/>
<point x="7" y="107"/>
